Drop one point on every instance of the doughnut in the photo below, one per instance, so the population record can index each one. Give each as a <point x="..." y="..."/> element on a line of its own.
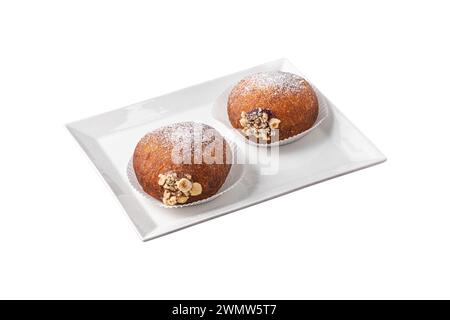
<point x="182" y="163"/>
<point x="272" y="105"/>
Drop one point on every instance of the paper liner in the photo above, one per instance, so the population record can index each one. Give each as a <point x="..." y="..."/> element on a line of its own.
<point x="234" y="176"/>
<point x="219" y="112"/>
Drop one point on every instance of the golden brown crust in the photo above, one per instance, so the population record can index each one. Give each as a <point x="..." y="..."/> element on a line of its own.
<point x="289" y="97"/>
<point x="153" y="157"/>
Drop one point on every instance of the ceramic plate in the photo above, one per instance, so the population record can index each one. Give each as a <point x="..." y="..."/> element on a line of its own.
<point x="334" y="148"/>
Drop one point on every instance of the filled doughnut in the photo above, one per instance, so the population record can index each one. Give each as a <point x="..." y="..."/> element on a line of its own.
<point x="182" y="163"/>
<point x="271" y="106"/>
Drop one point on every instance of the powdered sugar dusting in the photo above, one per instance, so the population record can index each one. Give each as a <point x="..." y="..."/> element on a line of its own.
<point x="182" y="133"/>
<point x="276" y="81"/>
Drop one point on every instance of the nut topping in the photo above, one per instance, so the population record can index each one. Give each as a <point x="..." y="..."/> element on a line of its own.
<point x="162" y="179"/>
<point x="196" y="189"/>
<point x="171" y="201"/>
<point x="259" y="123"/>
<point x="274" y="123"/>
<point x="184" y="185"/>
<point x="166" y="194"/>
<point x="178" y="190"/>
<point x="182" y="199"/>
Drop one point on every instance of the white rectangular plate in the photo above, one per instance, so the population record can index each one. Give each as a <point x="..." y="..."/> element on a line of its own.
<point x="335" y="148"/>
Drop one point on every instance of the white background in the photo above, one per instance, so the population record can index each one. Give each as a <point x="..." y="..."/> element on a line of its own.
<point x="383" y="232"/>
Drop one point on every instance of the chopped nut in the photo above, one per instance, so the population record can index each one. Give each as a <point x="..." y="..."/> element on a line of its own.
<point x="166" y="194"/>
<point x="197" y="189"/>
<point x="172" y="201"/>
<point x="264" y="134"/>
<point x="182" y="199"/>
<point x="259" y="123"/>
<point x="162" y="179"/>
<point x="274" y="123"/>
<point x="177" y="188"/>
<point x="184" y="185"/>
